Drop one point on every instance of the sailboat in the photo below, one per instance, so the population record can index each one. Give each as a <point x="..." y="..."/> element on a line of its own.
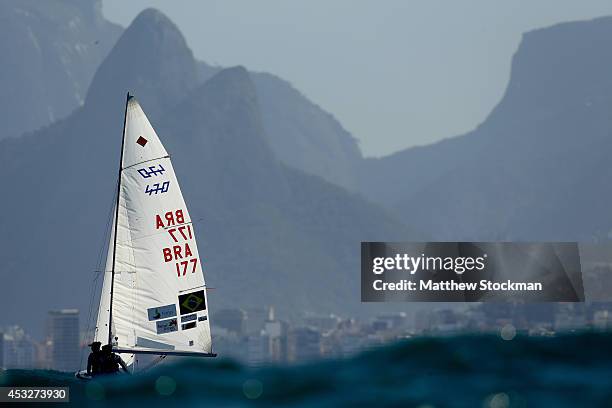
<point x="153" y="299"/>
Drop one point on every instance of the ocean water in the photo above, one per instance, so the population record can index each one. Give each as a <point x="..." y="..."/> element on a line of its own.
<point x="464" y="371"/>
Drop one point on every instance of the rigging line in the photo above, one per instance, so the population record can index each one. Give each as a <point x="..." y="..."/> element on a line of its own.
<point x="89" y="312"/>
<point x="94" y="282"/>
<point x="109" y="221"/>
<point x="99" y="262"/>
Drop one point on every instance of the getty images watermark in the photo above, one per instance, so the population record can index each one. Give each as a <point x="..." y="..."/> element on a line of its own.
<point x="470" y="271"/>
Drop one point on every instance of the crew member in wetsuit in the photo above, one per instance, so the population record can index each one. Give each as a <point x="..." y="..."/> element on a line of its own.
<point x="111" y="361"/>
<point x="94" y="361"/>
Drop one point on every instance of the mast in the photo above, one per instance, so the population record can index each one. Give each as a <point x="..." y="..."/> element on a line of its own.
<point x="110" y="311"/>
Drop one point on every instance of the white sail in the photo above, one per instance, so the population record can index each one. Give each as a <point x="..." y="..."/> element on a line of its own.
<point x="158" y="299"/>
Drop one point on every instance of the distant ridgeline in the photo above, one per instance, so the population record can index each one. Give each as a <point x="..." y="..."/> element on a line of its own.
<point x="536" y="169"/>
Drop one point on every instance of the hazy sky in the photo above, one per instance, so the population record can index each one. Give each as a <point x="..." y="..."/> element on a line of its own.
<point x="396" y="73"/>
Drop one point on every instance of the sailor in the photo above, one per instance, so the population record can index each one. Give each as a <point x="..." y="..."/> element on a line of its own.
<point x="111" y="361"/>
<point x="94" y="361"/>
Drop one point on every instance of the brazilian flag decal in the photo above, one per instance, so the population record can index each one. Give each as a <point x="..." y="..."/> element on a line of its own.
<point x="192" y="302"/>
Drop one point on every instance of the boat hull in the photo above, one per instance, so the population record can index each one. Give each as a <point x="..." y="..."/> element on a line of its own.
<point x="82" y="375"/>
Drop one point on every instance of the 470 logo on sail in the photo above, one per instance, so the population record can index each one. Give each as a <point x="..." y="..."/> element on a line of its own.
<point x="153" y="171"/>
<point x="181" y="233"/>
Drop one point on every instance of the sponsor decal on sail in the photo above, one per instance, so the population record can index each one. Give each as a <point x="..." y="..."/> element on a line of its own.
<point x="190" y="325"/>
<point x="166" y="326"/>
<point x="188" y="318"/>
<point x="192" y="302"/>
<point x="161" y="312"/>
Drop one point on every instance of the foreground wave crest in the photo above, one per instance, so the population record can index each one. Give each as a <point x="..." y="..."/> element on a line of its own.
<point x="470" y="371"/>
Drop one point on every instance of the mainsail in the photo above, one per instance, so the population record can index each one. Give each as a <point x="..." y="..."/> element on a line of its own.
<point x="153" y="297"/>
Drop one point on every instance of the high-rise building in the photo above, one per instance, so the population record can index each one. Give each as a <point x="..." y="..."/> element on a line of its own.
<point x="258" y="350"/>
<point x="304" y="344"/>
<point x="276" y="332"/>
<point x="43" y="354"/>
<point x="63" y="326"/>
<point x="19" y="351"/>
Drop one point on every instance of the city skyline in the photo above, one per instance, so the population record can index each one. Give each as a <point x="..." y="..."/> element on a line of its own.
<point x="257" y="337"/>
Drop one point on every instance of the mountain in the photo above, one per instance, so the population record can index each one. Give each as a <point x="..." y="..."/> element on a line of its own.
<point x="536" y="168"/>
<point x="152" y="59"/>
<point x="303" y="135"/>
<point x="56" y="47"/>
<point x="270" y="234"/>
<point x="52" y="49"/>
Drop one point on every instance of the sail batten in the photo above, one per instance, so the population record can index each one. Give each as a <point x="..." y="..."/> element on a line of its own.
<point x="154" y="290"/>
<point x="146" y="161"/>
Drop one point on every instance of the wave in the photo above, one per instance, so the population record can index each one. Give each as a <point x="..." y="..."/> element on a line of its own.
<point x="463" y="371"/>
